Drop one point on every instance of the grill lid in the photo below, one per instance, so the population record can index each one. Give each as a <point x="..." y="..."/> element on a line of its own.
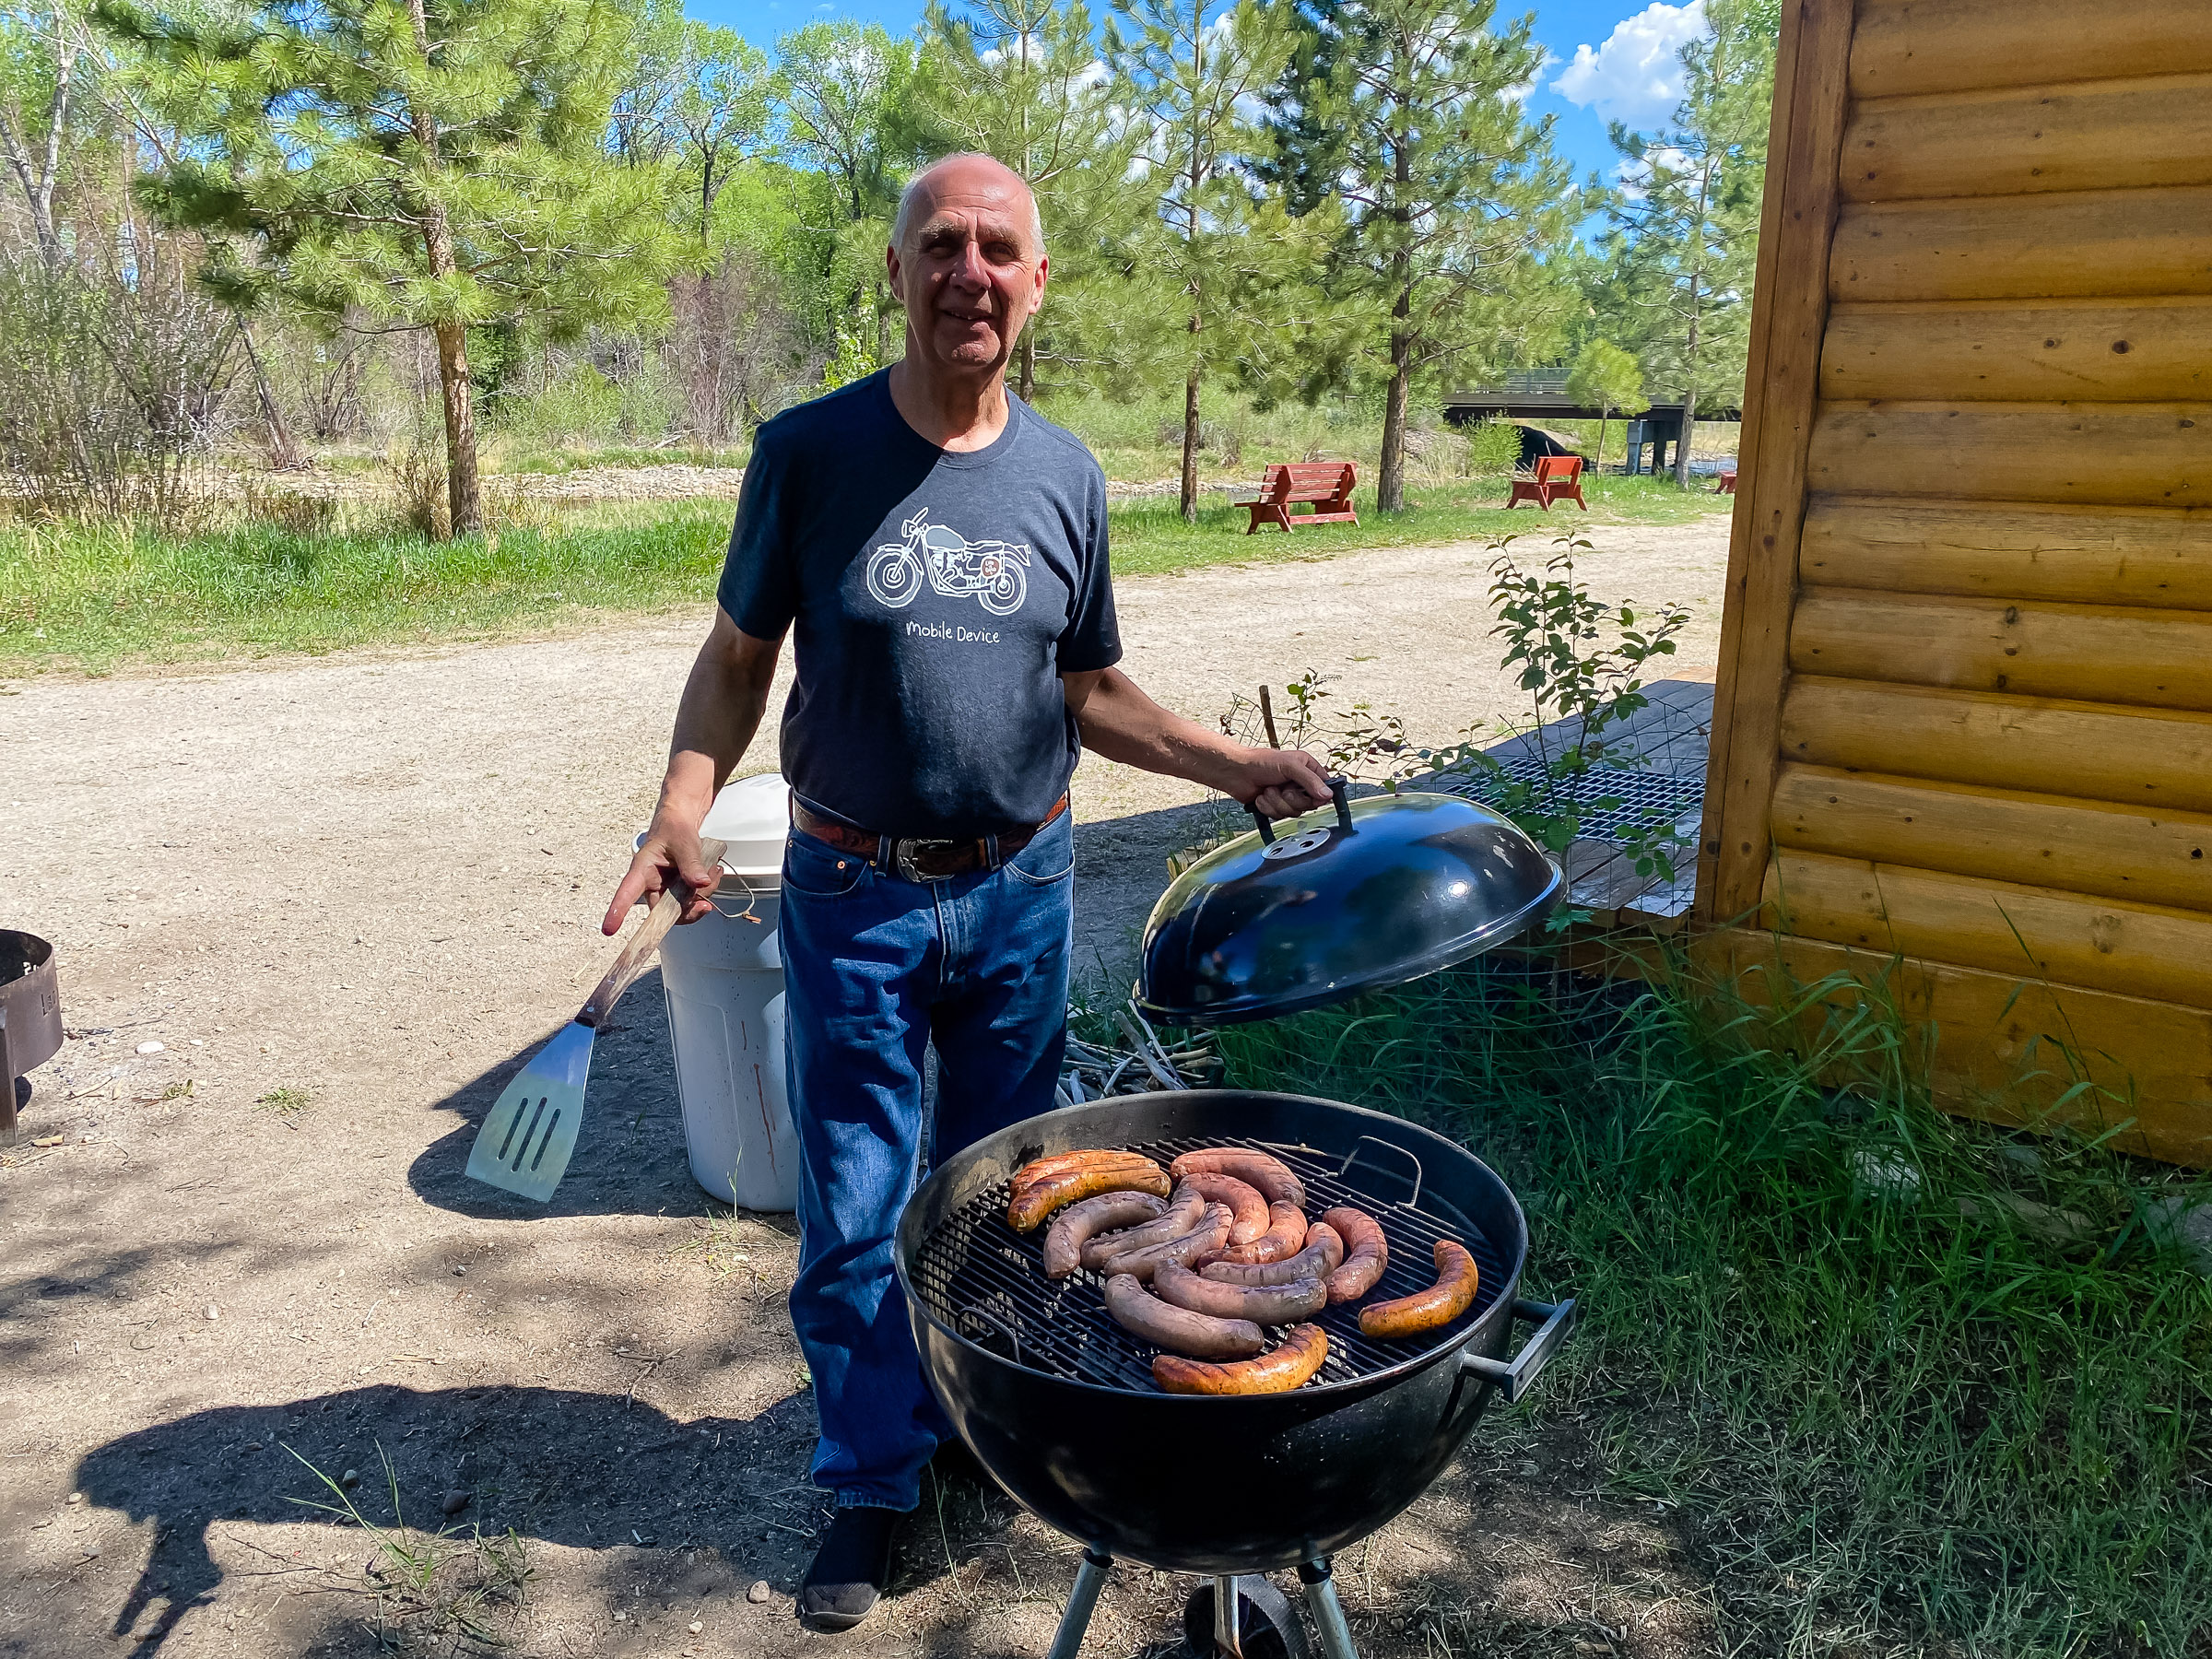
<point x="1354" y="897"/>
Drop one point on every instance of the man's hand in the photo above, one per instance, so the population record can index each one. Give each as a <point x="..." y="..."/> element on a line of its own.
<point x="1280" y="783"/>
<point x="670" y="851"/>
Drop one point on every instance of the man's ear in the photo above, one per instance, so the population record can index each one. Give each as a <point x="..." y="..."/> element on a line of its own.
<point x="893" y="271"/>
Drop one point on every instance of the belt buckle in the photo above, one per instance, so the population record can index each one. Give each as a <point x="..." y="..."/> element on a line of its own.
<point x="902" y="857"/>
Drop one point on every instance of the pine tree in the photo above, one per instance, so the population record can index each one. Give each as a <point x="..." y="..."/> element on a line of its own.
<point x="1403" y="118"/>
<point x="1686" y="219"/>
<point x="1021" y="81"/>
<point x="438" y="164"/>
<point x="1607" y="377"/>
<point x="1189" y="68"/>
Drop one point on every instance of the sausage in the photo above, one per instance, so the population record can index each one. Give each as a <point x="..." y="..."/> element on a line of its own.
<point x="1288" y="1367"/>
<point x="1286" y="1236"/>
<point x="1194" y="1248"/>
<point x="1243" y="1200"/>
<point x="1263" y="1304"/>
<point x="1074" y="1226"/>
<point x="1272" y="1176"/>
<point x="1452" y="1295"/>
<point x="1179" y="1328"/>
<point x="1323" y="1256"/>
<point x="1181" y="1214"/>
<point x="1030" y="1205"/>
<point x="1062" y="1164"/>
<point x="1365" y="1255"/>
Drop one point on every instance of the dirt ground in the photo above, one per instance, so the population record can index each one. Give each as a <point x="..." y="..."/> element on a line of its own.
<point x="345" y="896"/>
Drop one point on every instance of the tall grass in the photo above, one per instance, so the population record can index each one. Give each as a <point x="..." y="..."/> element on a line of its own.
<point x="1915" y="1383"/>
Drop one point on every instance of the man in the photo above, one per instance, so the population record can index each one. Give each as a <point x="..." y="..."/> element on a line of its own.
<point x="938" y="551"/>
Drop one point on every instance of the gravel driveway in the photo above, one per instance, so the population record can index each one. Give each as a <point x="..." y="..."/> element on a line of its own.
<point x="344" y="895"/>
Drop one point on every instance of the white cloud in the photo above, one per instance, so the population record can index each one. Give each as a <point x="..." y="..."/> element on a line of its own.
<point x="1636" y="77"/>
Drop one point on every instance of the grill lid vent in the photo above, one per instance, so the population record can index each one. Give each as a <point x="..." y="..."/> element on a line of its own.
<point x="1354" y="897"/>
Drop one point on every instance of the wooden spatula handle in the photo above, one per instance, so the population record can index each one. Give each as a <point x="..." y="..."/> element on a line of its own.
<point x="643" y="942"/>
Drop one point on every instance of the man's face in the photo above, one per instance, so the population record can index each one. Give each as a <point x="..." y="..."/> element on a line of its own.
<point x="968" y="271"/>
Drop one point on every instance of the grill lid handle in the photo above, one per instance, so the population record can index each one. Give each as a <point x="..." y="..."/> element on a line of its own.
<point x="1511" y="1378"/>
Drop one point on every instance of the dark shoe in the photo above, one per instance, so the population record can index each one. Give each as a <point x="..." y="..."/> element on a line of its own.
<point x="851" y="1570"/>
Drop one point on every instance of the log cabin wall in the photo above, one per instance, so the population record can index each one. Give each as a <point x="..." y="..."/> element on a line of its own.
<point x="1962" y="740"/>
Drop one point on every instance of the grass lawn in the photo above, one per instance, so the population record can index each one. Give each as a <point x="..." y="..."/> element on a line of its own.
<point x="1900" y="1384"/>
<point x="94" y="597"/>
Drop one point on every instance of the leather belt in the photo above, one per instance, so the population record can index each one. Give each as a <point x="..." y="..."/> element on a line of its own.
<point x="919" y="858"/>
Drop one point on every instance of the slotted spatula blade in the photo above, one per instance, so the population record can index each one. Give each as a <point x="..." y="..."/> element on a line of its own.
<point x="524" y="1145"/>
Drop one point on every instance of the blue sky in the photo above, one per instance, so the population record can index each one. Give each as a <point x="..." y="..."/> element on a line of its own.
<point x="1609" y="58"/>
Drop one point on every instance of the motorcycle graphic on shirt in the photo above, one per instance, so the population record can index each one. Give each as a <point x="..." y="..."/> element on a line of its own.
<point x="995" y="572"/>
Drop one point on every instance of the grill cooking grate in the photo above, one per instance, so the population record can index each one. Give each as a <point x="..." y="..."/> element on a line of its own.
<point x="988" y="1282"/>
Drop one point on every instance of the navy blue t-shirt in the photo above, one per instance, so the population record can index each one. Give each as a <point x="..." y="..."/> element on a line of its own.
<point x="935" y="600"/>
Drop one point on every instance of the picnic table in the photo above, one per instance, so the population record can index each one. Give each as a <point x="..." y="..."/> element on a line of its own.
<point x="1323" y="486"/>
<point x="1556" y="478"/>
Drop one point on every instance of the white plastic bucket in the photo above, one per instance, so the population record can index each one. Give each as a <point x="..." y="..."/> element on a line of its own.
<point x="723" y="979"/>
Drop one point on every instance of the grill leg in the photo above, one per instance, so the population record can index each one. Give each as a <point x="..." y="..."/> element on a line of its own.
<point x="1228" y="1636"/>
<point x="1090" y="1578"/>
<point x="1328" y="1612"/>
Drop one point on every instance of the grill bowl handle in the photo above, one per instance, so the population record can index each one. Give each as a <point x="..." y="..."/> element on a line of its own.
<point x="1511" y="1378"/>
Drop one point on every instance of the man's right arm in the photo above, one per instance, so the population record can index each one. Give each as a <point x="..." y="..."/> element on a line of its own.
<point x="720" y="710"/>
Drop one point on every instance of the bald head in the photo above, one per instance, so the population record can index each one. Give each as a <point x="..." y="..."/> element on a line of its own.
<point x="964" y="179"/>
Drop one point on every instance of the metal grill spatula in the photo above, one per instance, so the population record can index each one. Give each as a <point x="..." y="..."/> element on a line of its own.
<point x="524" y="1144"/>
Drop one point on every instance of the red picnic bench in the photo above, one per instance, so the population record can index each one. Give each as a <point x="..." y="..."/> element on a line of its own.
<point x="1556" y="478"/>
<point x="1326" y="486"/>
<point x="1727" y="484"/>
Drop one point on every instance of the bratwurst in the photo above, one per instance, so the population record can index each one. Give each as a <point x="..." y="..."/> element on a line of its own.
<point x="1366" y="1253"/>
<point x="1179" y="1328"/>
<point x="1272" y="1176"/>
<point x="1285" y="1236"/>
<point x="1263" y="1304"/>
<point x="1323" y="1256"/>
<point x="1079" y="1223"/>
<point x="1192" y="1248"/>
<point x="1430" y="1309"/>
<point x="1289" y="1366"/>
<point x="1181" y="1214"/>
<point x="1031" y="1204"/>
<point x="1243" y="1200"/>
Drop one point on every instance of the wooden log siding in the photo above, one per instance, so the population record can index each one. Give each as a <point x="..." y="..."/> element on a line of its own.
<point x="2092" y="847"/>
<point x="2097" y="244"/>
<point x="2092" y="653"/>
<point x="2037" y="933"/>
<point x="2144" y="556"/>
<point x="2155" y="758"/>
<point x="2150" y="133"/>
<point x="2144" y="350"/>
<point x="1964" y="711"/>
<point x="1907" y="46"/>
<point x="2093" y="454"/>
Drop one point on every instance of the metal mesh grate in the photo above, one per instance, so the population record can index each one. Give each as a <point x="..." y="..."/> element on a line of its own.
<point x="988" y="1282"/>
<point x="1639" y="798"/>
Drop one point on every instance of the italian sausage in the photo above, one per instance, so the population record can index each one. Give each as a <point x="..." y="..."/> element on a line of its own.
<point x="1323" y="1256"/>
<point x="1179" y="1329"/>
<point x="1062" y="1164"/>
<point x="1452" y="1295"/>
<point x="1263" y="1304"/>
<point x="1076" y="1225"/>
<point x="1181" y="1214"/>
<point x="1030" y="1205"/>
<point x="1286" y="1236"/>
<point x="1272" y="1176"/>
<point x="1365" y="1255"/>
<point x="1288" y="1367"/>
<point x="1192" y="1248"/>
<point x="1243" y="1200"/>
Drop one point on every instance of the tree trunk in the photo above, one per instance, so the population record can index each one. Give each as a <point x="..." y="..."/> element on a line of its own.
<point x="1027" y="387"/>
<point x="461" y="492"/>
<point x="1689" y="419"/>
<point x="1190" y="447"/>
<point x="1599" y="466"/>
<point x="284" y="454"/>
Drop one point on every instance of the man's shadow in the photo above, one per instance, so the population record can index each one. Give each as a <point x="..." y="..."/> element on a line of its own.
<point x="586" y="1470"/>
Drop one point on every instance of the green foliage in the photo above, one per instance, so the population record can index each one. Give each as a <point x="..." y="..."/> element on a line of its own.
<point x="1399" y="118"/>
<point x="1959" y="1406"/>
<point x="1494" y="447"/>
<point x="1608" y="378"/>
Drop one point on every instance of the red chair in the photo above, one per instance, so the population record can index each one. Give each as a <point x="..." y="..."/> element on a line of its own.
<point x="1727" y="484"/>
<point x="1556" y="478"/>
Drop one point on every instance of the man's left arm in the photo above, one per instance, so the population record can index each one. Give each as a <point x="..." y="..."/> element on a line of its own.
<point x="1119" y="722"/>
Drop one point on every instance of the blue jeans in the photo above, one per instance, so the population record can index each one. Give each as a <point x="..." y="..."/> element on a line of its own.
<point x="876" y="968"/>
